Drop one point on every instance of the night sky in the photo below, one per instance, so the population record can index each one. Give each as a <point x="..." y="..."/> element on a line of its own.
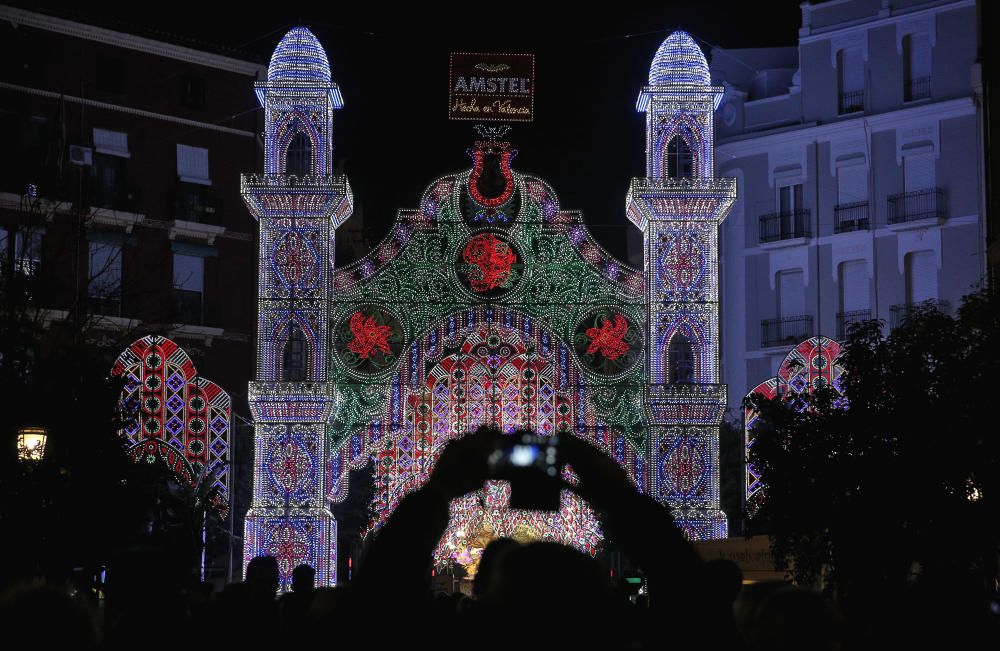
<point x="393" y="137"/>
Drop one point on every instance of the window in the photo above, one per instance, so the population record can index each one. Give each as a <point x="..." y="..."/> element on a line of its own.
<point x="112" y="143"/>
<point x="681" y="357"/>
<point x="918" y="172"/>
<point x="189" y="286"/>
<point x="791" y="294"/>
<point x="109" y="182"/>
<point x="851" y="211"/>
<point x="104" y="283"/>
<point x="109" y="171"/>
<point x="110" y="74"/>
<point x="192" y="92"/>
<point x="921" y="277"/>
<point x="854" y="287"/>
<point x="4" y="243"/>
<point x="298" y="162"/>
<point x="294" y="356"/>
<point x="916" y="66"/>
<point x="790" y="199"/>
<point x="851" y="80"/>
<point x="679" y="160"/>
<point x="192" y="164"/>
<point x="852" y="184"/>
<point x="27" y="251"/>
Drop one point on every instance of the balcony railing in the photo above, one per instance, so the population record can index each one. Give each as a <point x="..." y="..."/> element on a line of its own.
<point x="109" y="305"/>
<point x="851" y="217"/>
<point x="900" y="313"/>
<point x="847" y="319"/>
<point x="851" y="101"/>
<point x="789" y="330"/>
<point x="914" y="89"/>
<point x="117" y="197"/>
<point x="191" y="202"/>
<point x="784" y="225"/>
<point x="916" y="204"/>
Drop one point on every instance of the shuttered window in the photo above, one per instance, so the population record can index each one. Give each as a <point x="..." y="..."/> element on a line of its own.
<point x="192" y="164"/>
<point x="791" y="294"/>
<point x="918" y="172"/>
<point x="917" y="56"/>
<point x="112" y="143"/>
<point x="852" y="70"/>
<point x="921" y="277"/>
<point x="189" y="272"/>
<point x="854" y="286"/>
<point x="852" y="184"/>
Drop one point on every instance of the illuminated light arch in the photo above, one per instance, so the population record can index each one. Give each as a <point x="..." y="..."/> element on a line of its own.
<point x="170" y="415"/>
<point x="473" y="264"/>
<point x="812" y="364"/>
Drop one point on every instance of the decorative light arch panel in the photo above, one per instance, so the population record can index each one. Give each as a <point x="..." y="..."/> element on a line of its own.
<point x="811" y="365"/>
<point x="489" y="303"/>
<point x="486" y="312"/>
<point x="170" y="415"/>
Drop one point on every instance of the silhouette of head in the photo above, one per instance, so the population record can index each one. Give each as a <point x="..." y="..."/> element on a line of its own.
<point x="263" y="576"/>
<point x="303" y="578"/>
<point x="488" y="564"/>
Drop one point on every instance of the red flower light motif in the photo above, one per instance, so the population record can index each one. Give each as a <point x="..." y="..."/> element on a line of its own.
<point x="609" y="338"/>
<point x="369" y="336"/>
<point x="494" y="260"/>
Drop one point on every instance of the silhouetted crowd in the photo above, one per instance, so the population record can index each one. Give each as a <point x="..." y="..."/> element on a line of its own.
<point x="535" y="595"/>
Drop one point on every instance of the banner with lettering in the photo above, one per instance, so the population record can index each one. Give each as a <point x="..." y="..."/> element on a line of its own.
<point x="498" y="87"/>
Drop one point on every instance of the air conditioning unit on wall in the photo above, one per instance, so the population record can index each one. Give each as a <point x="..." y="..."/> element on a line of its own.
<point x="81" y="155"/>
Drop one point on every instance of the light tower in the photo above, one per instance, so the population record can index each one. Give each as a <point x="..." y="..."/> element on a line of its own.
<point x="299" y="204"/>
<point x="678" y="207"/>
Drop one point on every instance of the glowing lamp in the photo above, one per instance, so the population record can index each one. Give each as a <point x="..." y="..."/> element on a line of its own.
<point x="31" y="443"/>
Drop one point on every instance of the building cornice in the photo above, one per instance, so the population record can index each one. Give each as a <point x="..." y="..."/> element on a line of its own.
<point x="866" y="23"/>
<point x="131" y="42"/>
<point x="125" y="109"/>
<point x="800" y="135"/>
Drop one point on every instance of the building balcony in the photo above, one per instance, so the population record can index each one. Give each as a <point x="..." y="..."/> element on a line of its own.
<point x="191" y="202"/>
<point x="917" y="207"/>
<point x="849" y="217"/>
<point x="850" y="318"/>
<point x="782" y="226"/>
<point x="785" y="331"/>
<point x="109" y="304"/>
<point x="117" y="198"/>
<point x="898" y="314"/>
<point x="914" y="89"/>
<point x="851" y="101"/>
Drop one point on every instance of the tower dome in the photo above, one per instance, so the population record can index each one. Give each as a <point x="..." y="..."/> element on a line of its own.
<point x="679" y="60"/>
<point x="299" y="57"/>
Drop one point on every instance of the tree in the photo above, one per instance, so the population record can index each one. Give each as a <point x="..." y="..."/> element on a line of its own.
<point x="896" y="481"/>
<point x="86" y="500"/>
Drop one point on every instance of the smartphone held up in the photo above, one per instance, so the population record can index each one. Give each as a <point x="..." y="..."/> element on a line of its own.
<point x="530" y="463"/>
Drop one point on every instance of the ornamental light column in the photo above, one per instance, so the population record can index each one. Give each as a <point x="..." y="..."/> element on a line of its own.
<point x="299" y="204"/>
<point x="678" y="206"/>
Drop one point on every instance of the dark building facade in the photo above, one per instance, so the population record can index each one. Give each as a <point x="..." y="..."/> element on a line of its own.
<point x="119" y="190"/>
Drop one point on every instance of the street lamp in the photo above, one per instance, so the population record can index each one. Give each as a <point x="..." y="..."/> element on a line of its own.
<point x="31" y="443"/>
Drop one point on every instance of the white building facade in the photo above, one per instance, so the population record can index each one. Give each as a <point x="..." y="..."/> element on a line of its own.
<point x="859" y="157"/>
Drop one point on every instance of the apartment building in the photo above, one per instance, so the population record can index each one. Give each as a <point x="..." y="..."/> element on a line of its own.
<point x="859" y="160"/>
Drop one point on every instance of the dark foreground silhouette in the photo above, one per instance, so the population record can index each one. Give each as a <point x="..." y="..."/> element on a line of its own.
<point x="525" y="596"/>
